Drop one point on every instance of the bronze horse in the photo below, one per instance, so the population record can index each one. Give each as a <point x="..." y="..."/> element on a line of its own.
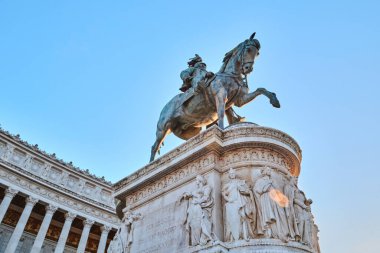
<point x="185" y="115"/>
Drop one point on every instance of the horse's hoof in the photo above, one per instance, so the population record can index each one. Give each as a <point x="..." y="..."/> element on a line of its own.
<point x="275" y="103"/>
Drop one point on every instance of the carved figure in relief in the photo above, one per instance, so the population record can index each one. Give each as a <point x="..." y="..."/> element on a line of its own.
<point x="315" y="239"/>
<point x="123" y="238"/>
<point x="302" y="209"/>
<point x="240" y="210"/>
<point x="199" y="210"/>
<point x="272" y="214"/>
<point x="289" y="191"/>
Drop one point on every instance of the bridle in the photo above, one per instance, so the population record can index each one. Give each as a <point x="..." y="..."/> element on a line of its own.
<point x="239" y="78"/>
<point x="243" y="63"/>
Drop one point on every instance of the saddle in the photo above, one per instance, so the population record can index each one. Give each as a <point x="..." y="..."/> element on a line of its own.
<point x="200" y="90"/>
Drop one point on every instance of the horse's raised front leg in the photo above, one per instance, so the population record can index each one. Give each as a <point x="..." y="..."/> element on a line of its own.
<point x="220" y="101"/>
<point x="248" y="97"/>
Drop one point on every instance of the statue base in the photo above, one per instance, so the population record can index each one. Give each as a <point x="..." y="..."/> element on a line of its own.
<point x="180" y="211"/>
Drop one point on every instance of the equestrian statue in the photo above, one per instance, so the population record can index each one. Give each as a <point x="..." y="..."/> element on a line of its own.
<point x="206" y="97"/>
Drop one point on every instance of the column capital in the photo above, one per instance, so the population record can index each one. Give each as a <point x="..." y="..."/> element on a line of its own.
<point x="88" y="222"/>
<point x="31" y="200"/>
<point x="10" y="192"/>
<point x="70" y="216"/>
<point x="51" y="208"/>
<point x="105" y="229"/>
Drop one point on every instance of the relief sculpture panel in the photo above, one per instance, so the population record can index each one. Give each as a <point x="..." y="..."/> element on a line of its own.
<point x="224" y="199"/>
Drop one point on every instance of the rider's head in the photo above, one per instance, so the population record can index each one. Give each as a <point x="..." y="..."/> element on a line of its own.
<point x="193" y="61"/>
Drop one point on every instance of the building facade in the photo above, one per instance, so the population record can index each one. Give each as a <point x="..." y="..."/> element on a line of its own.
<point x="48" y="205"/>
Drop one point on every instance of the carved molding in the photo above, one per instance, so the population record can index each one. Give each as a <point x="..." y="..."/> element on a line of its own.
<point x="71" y="191"/>
<point x="55" y="197"/>
<point x="57" y="175"/>
<point x="187" y="172"/>
<point x="256" y="155"/>
<point x="247" y="129"/>
<point x="243" y="130"/>
<point x="200" y="138"/>
<point x="182" y="174"/>
<point x="35" y="148"/>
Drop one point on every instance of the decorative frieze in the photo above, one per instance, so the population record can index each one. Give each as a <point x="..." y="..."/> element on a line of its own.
<point x="48" y="179"/>
<point x="62" y="174"/>
<point x="16" y="139"/>
<point x="248" y="130"/>
<point x="156" y="164"/>
<point x="56" y="197"/>
<point x="217" y="139"/>
<point x="256" y="156"/>
<point x="179" y="176"/>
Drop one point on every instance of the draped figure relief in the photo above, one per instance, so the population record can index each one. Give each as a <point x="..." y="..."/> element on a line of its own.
<point x="199" y="211"/>
<point x="289" y="191"/>
<point x="240" y="210"/>
<point x="302" y="210"/>
<point x="272" y="213"/>
<point x="123" y="238"/>
<point x="315" y="238"/>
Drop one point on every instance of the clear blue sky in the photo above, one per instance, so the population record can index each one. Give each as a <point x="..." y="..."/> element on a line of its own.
<point x="87" y="80"/>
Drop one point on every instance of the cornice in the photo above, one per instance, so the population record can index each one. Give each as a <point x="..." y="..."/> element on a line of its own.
<point x="56" y="197"/>
<point x="56" y="187"/>
<point x="216" y="139"/>
<point x="15" y="139"/>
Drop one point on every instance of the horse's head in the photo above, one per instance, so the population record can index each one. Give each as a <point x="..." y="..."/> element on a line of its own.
<point x="240" y="60"/>
<point x="250" y="50"/>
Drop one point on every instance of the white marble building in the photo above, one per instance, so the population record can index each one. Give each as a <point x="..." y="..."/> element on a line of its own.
<point x="48" y="205"/>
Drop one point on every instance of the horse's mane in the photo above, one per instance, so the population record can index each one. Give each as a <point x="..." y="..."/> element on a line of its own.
<point x="228" y="56"/>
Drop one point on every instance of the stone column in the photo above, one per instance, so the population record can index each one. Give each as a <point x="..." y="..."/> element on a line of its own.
<point x="103" y="238"/>
<point x="17" y="232"/>
<point x="83" y="239"/>
<point x="65" y="232"/>
<point x="9" y="194"/>
<point x="50" y="210"/>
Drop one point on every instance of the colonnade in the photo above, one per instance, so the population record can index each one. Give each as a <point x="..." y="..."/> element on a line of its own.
<point x="10" y="193"/>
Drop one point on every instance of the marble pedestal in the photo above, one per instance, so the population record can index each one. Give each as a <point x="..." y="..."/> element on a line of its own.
<point x="166" y="208"/>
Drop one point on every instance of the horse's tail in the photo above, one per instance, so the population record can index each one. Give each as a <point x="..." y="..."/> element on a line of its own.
<point x="164" y="125"/>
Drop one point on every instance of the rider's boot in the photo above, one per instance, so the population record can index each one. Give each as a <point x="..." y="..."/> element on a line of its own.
<point x="233" y="117"/>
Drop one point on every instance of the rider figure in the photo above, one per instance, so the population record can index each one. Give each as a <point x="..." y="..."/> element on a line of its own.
<point x="195" y="77"/>
<point x="195" y="74"/>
